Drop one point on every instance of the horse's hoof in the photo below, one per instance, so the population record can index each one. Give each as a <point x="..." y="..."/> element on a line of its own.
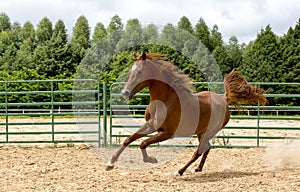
<point x="198" y="170"/>
<point x="109" y="167"/>
<point x="150" y="160"/>
<point x="177" y="174"/>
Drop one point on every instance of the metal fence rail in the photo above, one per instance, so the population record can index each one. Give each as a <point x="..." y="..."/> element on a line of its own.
<point x="46" y="126"/>
<point x="255" y="126"/>
<point x="46" y="119"/>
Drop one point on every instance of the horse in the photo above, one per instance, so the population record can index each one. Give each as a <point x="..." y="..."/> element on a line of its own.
<point x="175" y="111"/>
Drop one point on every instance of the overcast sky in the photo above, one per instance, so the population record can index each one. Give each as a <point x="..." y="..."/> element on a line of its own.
<point x="242" y="18"/>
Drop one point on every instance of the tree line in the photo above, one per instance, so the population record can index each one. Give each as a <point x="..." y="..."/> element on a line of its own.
<point x="49" y="52"/>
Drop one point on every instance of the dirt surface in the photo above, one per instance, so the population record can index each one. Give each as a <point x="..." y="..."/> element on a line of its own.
<point x="79" y="168"/>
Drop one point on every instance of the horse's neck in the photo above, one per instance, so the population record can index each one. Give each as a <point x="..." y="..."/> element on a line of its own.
<point x="163" y="92"/>
<point x="160" y="91"/>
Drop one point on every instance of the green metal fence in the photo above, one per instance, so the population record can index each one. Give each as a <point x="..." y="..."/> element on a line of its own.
<point x="254" y="126"/>
<point x="45" y="117"/>
<point x="71" y="111"/>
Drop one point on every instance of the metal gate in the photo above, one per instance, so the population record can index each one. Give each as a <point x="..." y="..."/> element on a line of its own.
<point x="254" y="126"/>
<point x="44" y="111"/>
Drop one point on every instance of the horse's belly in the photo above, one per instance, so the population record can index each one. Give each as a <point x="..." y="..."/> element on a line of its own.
<point x="217" y="118"/>
<point x="189" y="122"/>
<point x="187" y="127"/>
<point x="189" y="118"/>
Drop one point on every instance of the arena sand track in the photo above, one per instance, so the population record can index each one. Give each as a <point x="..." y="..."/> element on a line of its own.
<point x="44" y="168"/>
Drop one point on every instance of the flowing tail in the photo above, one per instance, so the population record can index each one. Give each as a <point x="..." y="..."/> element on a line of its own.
<point x="238" y="91"/>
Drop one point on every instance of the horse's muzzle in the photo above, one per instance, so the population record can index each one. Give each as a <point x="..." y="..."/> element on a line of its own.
<point x="126" y="94"/>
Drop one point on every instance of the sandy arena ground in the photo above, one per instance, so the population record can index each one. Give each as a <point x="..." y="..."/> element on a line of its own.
<point x="80" y="168"/>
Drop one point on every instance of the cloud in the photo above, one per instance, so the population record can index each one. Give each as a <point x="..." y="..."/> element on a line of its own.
<point x="243" y="19"/>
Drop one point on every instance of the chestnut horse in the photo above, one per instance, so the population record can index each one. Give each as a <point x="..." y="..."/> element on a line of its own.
<point x="175" y="111"/>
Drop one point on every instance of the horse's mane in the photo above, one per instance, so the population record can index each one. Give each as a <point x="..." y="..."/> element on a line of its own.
<point x="176" y="79"/>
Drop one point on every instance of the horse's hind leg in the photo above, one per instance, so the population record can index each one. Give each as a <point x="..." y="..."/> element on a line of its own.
<point x="194" y="158"/>
<point x="203" y="146"/>
<point x="200" y="167"/>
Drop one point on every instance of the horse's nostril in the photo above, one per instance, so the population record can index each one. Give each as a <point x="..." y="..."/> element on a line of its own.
<point x="125" y="93"/>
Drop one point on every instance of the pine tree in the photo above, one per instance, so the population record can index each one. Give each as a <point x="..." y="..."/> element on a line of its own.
<point x="61" y="31"/>
<point x="17" y="34"/>
<point x="5" y="24"/>
<point x="80" y="40"/>
<point x="24" y="56"/>
<point x="132" y="36"/>
<point x="7" y="50"/>
<point x="290" y="48"/>
<point x="203" y="34"/>
<point x="8" y="58"/>
<point x="115" y="30"/>
<point x="52" y="58"/>
<point x="28" y="31"/>
<point x="44" y="31"/>
<point x="216" y="37"/>
<point x="6" y="39"/>
<point x="81" y="33"/>
<point x="262" y="57"/>
<point x="115" y="25"/>
<point x="169" y="37"/>
<point x="290" y="54"/>
<point x="223" y="60"/>
<point x="150" y="34"/>
<point x="185" y="24"/>
<point x="235" y="51"/>
<point x="99" y="33"/>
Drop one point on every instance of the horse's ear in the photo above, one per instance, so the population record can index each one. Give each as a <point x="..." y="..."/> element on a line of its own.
<point x="144" y="56"/>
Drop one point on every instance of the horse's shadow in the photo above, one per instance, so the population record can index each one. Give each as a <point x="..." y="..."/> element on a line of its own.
<point x="217" y="176"/>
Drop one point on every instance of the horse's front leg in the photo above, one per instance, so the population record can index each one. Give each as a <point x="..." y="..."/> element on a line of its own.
<point x="161" y="136"/>
<point x="143" y="131"/>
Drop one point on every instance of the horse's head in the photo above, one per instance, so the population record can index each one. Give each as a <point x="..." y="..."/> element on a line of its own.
<point x="139" y="76"/>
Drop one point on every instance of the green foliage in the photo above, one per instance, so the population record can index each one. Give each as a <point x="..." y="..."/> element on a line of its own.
<point x="132" y="36"/>
<point x="60" y="32"/>
<point x="28" y="31"/>
<point x="99" y="33"/>
<point x="24" y="74"/>
<point x="216" y="37"/>
<point x="185" y="24"/>
<point x="5" y="24"/>
<point x="222" y="58"/>
<point x="235" y="51"/>
<point x="203" y="34"/>
<point x="150" y="34"/>
<point x="81" y="33"/>
<point x="79" y="43"/>
<point x="262" y="57"/>
<point x="24" y="56"/>
<point x="198" y="51"/>
<point x="44" y="31"/>
<point x="115" y="24"/>
<point x="6" y="40"/>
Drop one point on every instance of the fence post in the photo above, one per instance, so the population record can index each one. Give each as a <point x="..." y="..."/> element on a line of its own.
<point x="52" y="111"/>
<point x="258" y="119"/>
<point x="6" y="112"/>
<point x="104" y="104"/>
